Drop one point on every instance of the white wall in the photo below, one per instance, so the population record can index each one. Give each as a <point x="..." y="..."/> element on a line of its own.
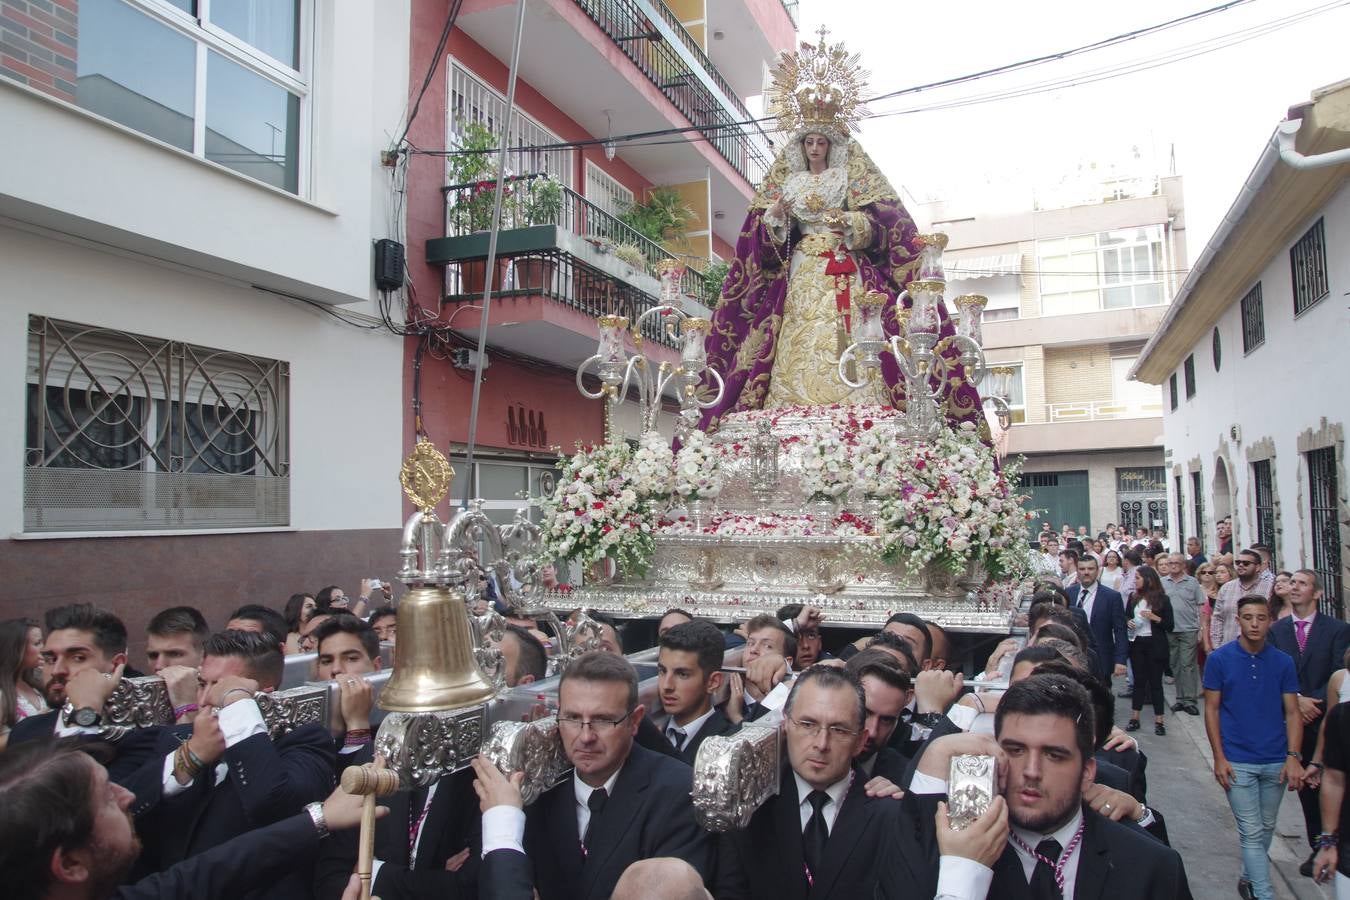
<point x="1285" y="387"/>
<point x="72" y="172"/>
<point x="346" y="384"/>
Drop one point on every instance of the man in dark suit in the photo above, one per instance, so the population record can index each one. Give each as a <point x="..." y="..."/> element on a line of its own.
<point x="66" y="831"/>
<point x="623" y="803"/>
<point x="689" y="674"/>
<point x="1045" y="732"/>
<point x="887" y="691"/>
<point x="1105" y="611"/>
<point x="224" y="775"/>
<point x="1317" y="644"/>
<point x="821" y="836"/>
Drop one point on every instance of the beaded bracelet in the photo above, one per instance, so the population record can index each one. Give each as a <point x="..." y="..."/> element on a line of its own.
<point x="180" y="711"/>
<point x="1328" y="839"/>
<point x="356" y="737"/>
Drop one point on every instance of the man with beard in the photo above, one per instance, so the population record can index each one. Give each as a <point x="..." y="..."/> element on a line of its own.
<point x="1038" y="839"/>
<point x="886" y="690"/>
<point x="66" y="831"/>
<point x="85" y="647"/>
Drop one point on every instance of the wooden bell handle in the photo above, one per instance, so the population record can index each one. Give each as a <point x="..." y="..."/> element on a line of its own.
<point x="371" y="782"/>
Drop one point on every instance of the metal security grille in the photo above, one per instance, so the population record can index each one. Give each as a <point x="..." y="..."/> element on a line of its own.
<point x="1253" y="320"/>
<point x="1198" y="495"/>
<point x="1188" y="370"/>
<point x="605" y="192"/>
<point x="1172" y="389"/>
<point x="1181" y="509"/>
<point x="473" y="102"/>
<point x="1264" y="482"/>
<point x="127" y="432"/>
<point x="1323" y="496"/>
<point x="1141" y="495"/>
<point x="1308" y="266"/>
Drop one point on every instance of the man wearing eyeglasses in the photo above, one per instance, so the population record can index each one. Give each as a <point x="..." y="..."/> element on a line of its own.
<point x="1223" y="623"/>
<point x="822" y="836"/>
<point x="623" y="803"/>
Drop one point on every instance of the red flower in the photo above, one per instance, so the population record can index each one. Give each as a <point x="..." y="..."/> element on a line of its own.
<point x="867" y="424"/>
<point x="597" y="505"/>
<point x="920" y="465"/>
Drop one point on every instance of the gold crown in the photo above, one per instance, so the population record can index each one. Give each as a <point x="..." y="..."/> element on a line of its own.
<point x="819" y="86"/>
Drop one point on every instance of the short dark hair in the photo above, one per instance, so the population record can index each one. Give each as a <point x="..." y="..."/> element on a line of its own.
<point x="1103" y="700"/>
<point x="597" y="665"/>
<point x="1052" y="695"/>
<point x="380" y="613"/>
<point x="700" y="637"/>
<point x="531" y="660"/>
<point x="180" y="620"/>
<point x="46" y="804"/>
<point x="879" y="664"/>
<point x="904" y="618"/>
<point x="769" y="620"/>
<point x="676" y="611"/>
<point x="262" y="655"/>
<point x="1071" y="554"/>
<point x="1134" y="557"/>
<point x="1037" y="654"/>
<point x="1059" y="632"/>
<point x="830" y="678"/>
<point x="274" y="625"/>
<point x="110" y="635"/>
<point x="1047" y="609"/>
<point x="346" y="623"/>
<point x="900" y="645"/>
<point x="1250" y="599"/>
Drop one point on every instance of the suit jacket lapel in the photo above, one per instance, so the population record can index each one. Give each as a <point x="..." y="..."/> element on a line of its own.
<point x="562" y="841"/>
<point x="617" y="817"/>
<point x="715" y="726"/>
<point x="788" y="838"/>
<point x="1094" y="860"/>
<point x="849" y="826"/>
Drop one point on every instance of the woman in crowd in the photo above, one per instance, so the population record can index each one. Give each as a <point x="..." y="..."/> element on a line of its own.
<point x="1150" y="619"/>
<point x="1207" y="575"/>
<point x="1280" y="604"/>
<point x="298" y="610"/>
<point x="20" y="668"/>
<point x="1111" y="571"/>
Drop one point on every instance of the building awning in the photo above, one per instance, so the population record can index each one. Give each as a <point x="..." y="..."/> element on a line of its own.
<point x="961" y="268"/>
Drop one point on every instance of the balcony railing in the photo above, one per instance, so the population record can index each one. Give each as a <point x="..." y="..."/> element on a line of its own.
<point x="1099" y="410"/>
<point x="534" y="200"/>
<point x="745" y="147"/>
<point x="791" y="7"/>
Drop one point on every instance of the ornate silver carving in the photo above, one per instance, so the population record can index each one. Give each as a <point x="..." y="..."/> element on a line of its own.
<point x="285" y="711"/>
<point x="970" y="788"/>
<point x="734" y="775"/>
<point x="763" y="462"/>
<point x="423" y="747"/>
<point x="140" y="702"/>
<point x="534" y="748"/>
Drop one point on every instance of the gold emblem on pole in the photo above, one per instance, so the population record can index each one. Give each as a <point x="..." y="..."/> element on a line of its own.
<point x="426" y="475"/>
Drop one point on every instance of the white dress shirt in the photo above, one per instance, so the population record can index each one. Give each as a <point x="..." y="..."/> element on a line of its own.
<point x="830" y="810"/>
<point x="1062" y="835"/>
<point x="1086" y="597"/>
<point x="238" y="721"/>
<point x="690" y="730"/>
<point x="583" y="793"/>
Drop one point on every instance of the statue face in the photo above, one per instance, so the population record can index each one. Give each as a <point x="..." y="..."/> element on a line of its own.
<point x="816" y="147"/>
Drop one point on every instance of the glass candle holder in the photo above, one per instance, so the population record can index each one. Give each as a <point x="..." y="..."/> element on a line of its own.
<point x="924" y="297"/>
<point x="867" y="326"/>
<point x="672" y="279"/>
<point x="612" y="329"/>
<point x="1000" y="381"/>
<point x="694" y="353"/>
<point x="930" y="257"/>
<point x="970" y="323"/>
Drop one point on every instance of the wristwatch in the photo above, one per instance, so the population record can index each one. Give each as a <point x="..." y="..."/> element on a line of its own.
<point x="928" y="719"/>
<point x="84" y="717"/>
<point x="315" y="811"/>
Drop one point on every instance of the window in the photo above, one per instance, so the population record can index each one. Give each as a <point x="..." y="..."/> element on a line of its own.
<point x="473" y="102"/>
<point x="505" y="486"/>
<point x="1198" y="497"/>
<point x="1141" y="497"/>
<point x="1216" y="347"/>
<point x="1253" y="320"/>
<point x="1264" y="483"/>
<point x="605" y="191"/>
<point x="1110" y="270"/>
<point x="1308" y="264"/>
<point x="1188" y="368"/>
<point x="1172" y="390"/>
<point x="1017" y="401"/>
<point x="127" y="432"/>
<point x="222" y="79"/>
<point x="1181" y="508"/>
<point x="1323" y="496"/>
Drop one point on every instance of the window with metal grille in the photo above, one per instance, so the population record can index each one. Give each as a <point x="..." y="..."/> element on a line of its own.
<point x="605" y="191"/>
<point x="1323" y="495"/>
<point x="128" y="432"/>
<point x="473" y="102"/>
<point x="1039" y="479"/>
<point x="1308" y="266"/>
<point x="1198" y="497"/>
<point x="1263" y="481"/>
<point x="1253" y="320"/>
<point x="1188" y="368"/>
<point x="1181" y="508"/>
<point x="1172" y="389"/>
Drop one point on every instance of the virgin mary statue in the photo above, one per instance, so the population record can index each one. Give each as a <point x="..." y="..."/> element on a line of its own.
<point x="825" y="227"/>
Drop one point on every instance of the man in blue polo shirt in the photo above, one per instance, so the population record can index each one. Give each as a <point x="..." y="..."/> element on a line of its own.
<point x="1254" y="728"/>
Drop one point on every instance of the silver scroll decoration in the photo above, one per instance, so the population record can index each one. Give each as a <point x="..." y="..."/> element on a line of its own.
<point x="144" y="701"/>
<point x="734" y="775"/>
<point x="970" y="788"/>
<point x="534" y="748"/>
<point x="423" y="747"/>
<point x="140" y="703"/>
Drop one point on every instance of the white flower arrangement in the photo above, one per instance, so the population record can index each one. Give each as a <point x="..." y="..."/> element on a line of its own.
<point x="827" y="472"/>
<point x="653" y="469"/>
<point x="698" y="469"/>
<point x="598" y="512"/>
<point x="873" y="460"/>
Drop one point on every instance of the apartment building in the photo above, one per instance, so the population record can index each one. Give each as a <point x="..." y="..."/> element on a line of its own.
<point x="1249" y="357"/>
<point x="589" y="70"/>
<point x="188" y="196"/>
<point x="1076" y="285"/>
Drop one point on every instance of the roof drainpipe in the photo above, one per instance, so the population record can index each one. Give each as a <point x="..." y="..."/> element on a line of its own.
<point x="1288" y="132"/>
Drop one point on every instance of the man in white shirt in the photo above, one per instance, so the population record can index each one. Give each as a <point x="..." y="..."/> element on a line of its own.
<point x="689" y="673"/>
<point x="1038" y="838"/>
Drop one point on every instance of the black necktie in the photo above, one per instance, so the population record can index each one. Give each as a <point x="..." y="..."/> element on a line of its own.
<point x="676" y="737"/>
<point x="816" y="834"/>
<point x="1043" y="886"/>
<point x="596" y="801"/>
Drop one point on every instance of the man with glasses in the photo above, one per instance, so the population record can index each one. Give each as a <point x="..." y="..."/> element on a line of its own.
<point x="622" y="804"/>
<point x="821" y="836"/>
<point x="1223" y="623"/>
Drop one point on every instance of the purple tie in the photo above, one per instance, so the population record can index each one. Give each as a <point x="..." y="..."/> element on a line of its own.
<point x="1302" y="634"/>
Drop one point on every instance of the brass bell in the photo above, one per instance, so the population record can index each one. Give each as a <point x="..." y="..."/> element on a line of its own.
<point x="434" y="669"/>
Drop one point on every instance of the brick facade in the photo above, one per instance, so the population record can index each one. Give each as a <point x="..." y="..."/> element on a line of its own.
<point x="39" y="44"/>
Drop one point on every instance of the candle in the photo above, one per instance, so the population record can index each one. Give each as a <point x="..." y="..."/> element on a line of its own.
<point x="971" y="308"/>
<point x="924" y="296"/>
<point x="867" y="326"/>
<point x="930" y="253"/>
<point x="694" y="354"/>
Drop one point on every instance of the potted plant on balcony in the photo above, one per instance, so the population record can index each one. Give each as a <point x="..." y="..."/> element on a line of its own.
<point x="539" y="203"/>
<point x="663" y="216"/>
<point x="473" y="172"/>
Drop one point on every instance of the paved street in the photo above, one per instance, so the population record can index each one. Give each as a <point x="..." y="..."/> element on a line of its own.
<point x="1199" y="823"/>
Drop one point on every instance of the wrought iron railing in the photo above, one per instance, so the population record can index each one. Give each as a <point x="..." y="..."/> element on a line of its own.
<point x="745" y="146"/>
<point x="535" y="200"/>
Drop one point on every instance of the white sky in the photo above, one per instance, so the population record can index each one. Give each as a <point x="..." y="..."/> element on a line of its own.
<point x="1217" y="110"/>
